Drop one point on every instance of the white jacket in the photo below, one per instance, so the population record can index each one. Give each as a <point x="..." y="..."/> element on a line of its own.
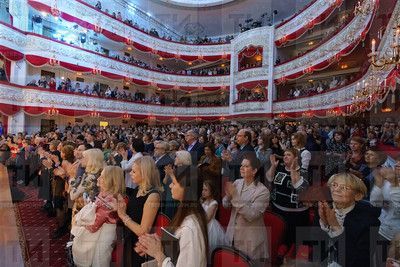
<point x="387" y="197"/>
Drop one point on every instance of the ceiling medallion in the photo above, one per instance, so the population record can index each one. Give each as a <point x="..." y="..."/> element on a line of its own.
<point x="197" y="3"/>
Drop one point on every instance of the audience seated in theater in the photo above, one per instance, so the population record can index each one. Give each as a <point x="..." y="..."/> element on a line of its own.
<point x="32" y="83"/>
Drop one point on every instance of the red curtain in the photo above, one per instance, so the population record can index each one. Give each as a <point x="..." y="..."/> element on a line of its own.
<point x="188" y="58"/>
<point x="140" y="82"/>
<point x="165" y="86"/>
<point x="75" y="67"/>
<point x="37" y="61"/>
<point x="250" y="51"/>
<point x="8" y="69"/>
<point x="10" y="54"/>
<point x="252" y="84"/>
<point x="112" y="75"/>
<point x="318" y="20"/>
<point x="9" y="110"/>
<point x="113" y="36"/>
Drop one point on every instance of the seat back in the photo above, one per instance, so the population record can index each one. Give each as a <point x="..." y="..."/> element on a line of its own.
<point x="223" y="216"/>
<point x="224" y="256"/>
<point x="162" y="220"/>
<point x="276" y="227"/>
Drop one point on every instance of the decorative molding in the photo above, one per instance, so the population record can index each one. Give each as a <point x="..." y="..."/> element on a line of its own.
<point x="343" y="96"/>
<point x="197" y="3"/>
<point x="84" y="12"/>
<point x="36" y="45"/>
<point x="302" y="19"/>
<point x="351" y="33"/>
<point x="249" y="107"/>
<point x="31" y="97"/>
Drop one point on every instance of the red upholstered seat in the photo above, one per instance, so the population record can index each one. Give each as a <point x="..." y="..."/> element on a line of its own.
<point x="276" y="227"/>
<point x="223" y="216"/>
<point x="228" y="257"/>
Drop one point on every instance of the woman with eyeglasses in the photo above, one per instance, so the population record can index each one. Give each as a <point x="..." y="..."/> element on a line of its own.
<point x="349" y="223"/>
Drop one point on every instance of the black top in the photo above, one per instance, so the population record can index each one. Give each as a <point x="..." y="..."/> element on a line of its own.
<point x="134" y="210"/>
<point x="283" y="192"/>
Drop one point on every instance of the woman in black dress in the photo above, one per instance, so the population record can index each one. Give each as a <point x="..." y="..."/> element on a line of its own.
<point x="142" y="209"/>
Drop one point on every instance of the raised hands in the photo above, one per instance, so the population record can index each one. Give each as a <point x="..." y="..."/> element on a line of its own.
<point x="274" y="161"/>
<point x="229" y="189"/>
<point x="327" y="215"/>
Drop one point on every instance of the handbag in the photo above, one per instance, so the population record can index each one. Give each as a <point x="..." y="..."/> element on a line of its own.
<point x="86" y="216"/>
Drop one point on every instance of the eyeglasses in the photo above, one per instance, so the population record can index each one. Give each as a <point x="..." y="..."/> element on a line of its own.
<point x="341" y="187"/>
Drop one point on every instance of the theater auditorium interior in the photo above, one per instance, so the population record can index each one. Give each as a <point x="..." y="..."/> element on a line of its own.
<point x="200" y="133"/>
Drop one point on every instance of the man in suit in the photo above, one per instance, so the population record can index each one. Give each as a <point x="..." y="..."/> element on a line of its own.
<point x="194" y="147"/>
<point x="162" y="160"/>
<point x="161" y="157"/>
<point x="91" y="140"/>
<point x="231" y="164"/>
<point x="137" y="147"/>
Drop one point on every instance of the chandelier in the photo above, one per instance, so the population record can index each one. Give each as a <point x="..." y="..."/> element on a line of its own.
<point x="52" y="111"/>
<point x="97" y="28"/>
<point x="391" y="56"/>
<point x="126" y="116"/>
<point x="307" y="114"/>
<point x="94" y="114"/>
<point x="281" y="116"/>
<point x="53" y="61"/>
<point x="367" y="93"/>
<point x="54" y="10"/>
<point x="96" y="71"/>
<point x="198" y="119"/>
<point x="334" y="112"/>
<point x="175" y="119"/>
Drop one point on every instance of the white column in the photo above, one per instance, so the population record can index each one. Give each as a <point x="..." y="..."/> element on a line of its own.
<point x="19" y="71"/>
<point x="16" y="123"/>
<point x="19" y="9"/>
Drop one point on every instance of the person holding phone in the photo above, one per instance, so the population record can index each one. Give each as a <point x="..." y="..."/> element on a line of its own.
<point x="189" y="226"/>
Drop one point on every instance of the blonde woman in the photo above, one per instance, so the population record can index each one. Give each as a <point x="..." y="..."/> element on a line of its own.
<point x="350" y="221"/>
<point x="85" y="187"/>
<point x="95" y="245"/>
<point x="143" y="206"/>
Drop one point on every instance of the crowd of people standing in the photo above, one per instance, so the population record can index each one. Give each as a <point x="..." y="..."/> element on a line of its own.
<point x="127" y="176"/>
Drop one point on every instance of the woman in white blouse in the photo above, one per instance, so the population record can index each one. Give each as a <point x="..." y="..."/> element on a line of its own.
<point x="189" y="226"/>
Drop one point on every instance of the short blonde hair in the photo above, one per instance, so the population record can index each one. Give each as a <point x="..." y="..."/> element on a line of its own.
<point x="114" y="179"/>
<point x="350" y="180"/>
<point x="95" y="160"/>
<point x="184" y="156"/>
<point x="149" y="173"/>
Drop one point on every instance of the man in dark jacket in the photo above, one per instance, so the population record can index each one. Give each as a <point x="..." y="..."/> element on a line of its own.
<point x="194" y="147"/>
<point x="231" y="164"/>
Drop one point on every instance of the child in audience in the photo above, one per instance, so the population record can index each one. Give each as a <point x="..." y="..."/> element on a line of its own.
<point x="216" y="234"/>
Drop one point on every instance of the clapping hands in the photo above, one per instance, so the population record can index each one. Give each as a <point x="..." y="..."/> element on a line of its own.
<point x="327" y="215"/>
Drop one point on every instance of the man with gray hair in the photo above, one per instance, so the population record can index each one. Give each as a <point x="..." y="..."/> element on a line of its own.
<point x="194" y="147"/>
